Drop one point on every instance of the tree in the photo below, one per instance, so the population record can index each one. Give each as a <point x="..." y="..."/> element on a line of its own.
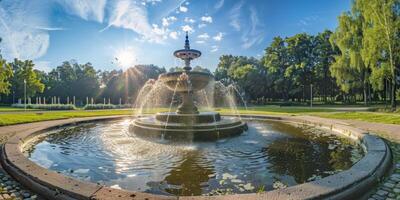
<point x="324" y="54"/>
<point x="382" y="39"/>
<point x="300" y="63"/>
<point x="5" y="75"/>
<point x="126" y="85"/>
<point x="198" y="68"/>
<point x="276" y="61"/>
<point x="23" y="71"/>
<point x="221" y="72"/>
<point x="351" y="69"/>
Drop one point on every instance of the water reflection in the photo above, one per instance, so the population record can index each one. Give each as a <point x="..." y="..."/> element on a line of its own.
<point x="191" y="167"/>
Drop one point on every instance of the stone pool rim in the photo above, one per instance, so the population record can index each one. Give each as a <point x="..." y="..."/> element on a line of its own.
<point x="348" y="184"/>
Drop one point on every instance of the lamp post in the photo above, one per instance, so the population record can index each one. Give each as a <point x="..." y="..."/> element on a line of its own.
<point x="311" y="96"/>
<point x="25" y="94"/>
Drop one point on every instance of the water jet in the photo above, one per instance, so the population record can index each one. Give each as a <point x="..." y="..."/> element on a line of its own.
<point x="187" y="122"/>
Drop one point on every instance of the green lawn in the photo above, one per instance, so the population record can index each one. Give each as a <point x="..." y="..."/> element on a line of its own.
<point x="9" y="118"/>
<point x="378" y="117"/>
<point x="12" y="109"/>
<point x="22" y="117"/>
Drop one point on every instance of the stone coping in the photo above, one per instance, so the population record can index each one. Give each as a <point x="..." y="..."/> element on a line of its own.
<point x="348" y="184"/>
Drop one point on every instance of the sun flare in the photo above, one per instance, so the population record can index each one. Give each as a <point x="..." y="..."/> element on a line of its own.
<point x="125" y="58"/>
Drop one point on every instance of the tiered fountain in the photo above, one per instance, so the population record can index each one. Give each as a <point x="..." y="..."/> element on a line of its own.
<point x="187" y="122"/>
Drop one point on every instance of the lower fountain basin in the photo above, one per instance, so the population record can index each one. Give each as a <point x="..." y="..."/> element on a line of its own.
<point x="269" y="155"/>
<point x="162" y="128"/>
<point x="203" y="117"/>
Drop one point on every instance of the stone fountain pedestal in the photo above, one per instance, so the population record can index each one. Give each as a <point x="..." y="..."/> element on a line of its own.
<point x="187" y="122"/>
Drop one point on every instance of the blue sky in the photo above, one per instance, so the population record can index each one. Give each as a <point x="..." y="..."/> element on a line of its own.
<point x="148" y="31"/>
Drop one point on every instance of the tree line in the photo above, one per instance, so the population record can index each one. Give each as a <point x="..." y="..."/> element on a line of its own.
<point x="358" y="61"/>
<point x="72" y="80"/>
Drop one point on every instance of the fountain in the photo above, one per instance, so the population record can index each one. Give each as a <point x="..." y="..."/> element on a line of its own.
<point x="187" y="122"/>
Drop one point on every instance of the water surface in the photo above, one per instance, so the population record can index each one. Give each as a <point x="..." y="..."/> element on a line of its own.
<point x="268" y="156"/>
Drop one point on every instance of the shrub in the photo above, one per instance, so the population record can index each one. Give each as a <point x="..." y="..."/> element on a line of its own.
<point x="105" y="106"/>
<point x="99" y="106"/>
<point x="45" y="106"/>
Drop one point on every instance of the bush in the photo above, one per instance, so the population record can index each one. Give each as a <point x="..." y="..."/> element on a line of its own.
<point x="99" y="106"/>
<point x="105" y="106"/>
<point x="124" y="106"/>
<point x="45" y="106"/>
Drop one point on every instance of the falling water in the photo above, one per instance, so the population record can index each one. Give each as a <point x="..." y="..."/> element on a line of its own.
<point x="170" y="107"/>
<point x="235" y="88"/>
<point x="155" y="95"/>
<point x="209" y="106"/>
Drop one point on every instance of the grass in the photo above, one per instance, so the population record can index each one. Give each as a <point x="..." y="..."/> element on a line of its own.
<point x="12" y="109"/>
<point x="377" y="117"/>
<point x="26" y="117"/>
<point x="8" y="117"/>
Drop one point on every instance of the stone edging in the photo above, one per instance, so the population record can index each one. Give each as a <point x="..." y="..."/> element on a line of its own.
<point x="347" y="184"/>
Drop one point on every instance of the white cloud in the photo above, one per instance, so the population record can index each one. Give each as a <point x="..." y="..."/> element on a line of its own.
<point x="85" y="9"/>
<point x="187" y="28"/>
<point x="203" y="36"/>
<point x="173" y="35"/>
<point x="152" y="2"/>
<point x="202" y="25"/>
<point x="207" y="19"/>
<point x="183" y="9"/>
<point x="50" y="28"/>
<point x="189" y="20"/>
<point x="127" y="14"/>
<point x="19" y="22"/>
<point x="235" y="14"/>
<point x="219" y="4"/>
<point x="200" y="42"/>
<point x="166" y="21"/>
<point x="214" y="48"/>
<point x="161" y="31"/>
<point x="218" y="37"/>
<point x="254" y="35"/>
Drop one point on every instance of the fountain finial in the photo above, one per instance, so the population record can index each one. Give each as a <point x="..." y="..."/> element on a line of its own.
<point x="187" y="54"/>
<point x="187" y="45"/>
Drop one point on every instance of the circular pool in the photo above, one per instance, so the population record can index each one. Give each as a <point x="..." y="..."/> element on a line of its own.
<point x="269" y="155"/>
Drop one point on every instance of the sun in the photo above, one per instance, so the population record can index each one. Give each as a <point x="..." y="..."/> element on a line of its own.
<point x="125" y="58"/>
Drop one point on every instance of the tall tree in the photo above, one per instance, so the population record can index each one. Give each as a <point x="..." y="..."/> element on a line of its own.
<point x="301" y="63"/>
<point x="221" y="73"/>
<point x="24" y="72"/>
<point x="351" y="69"/>
<point x="382" y="37"/>
<point x="276" y="62"/>
<point x="5" y="75"/>
<point x="324" y="54"/>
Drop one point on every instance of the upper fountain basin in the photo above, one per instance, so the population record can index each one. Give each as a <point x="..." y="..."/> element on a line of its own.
<point x="187" y="54"/>
<point x="195" y="81"/>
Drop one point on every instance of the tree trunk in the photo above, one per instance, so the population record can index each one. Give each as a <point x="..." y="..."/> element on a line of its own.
<point x="393" y="94"/>
<point x="365" y="94"/>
